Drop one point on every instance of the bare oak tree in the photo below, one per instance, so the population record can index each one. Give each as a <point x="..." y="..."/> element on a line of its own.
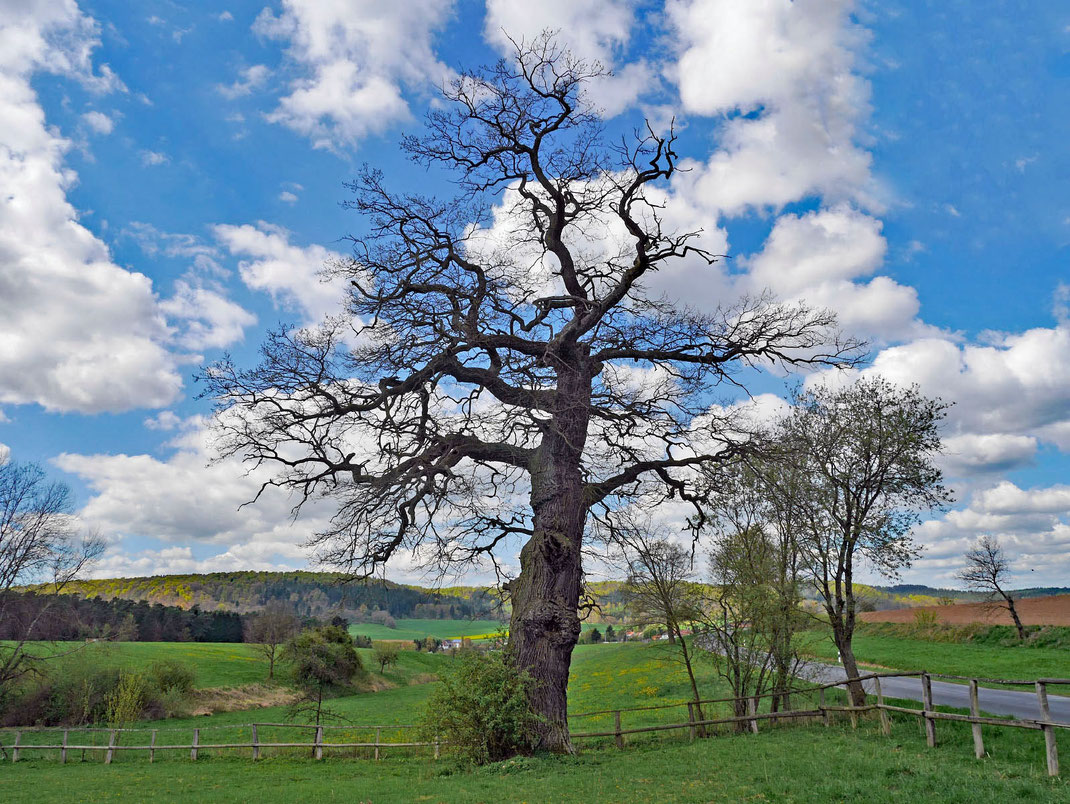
<point x="863" y="471"/>
<point x="988" y="570"/>
<point x="40" y="544"/>
<point x="503" y="370"/>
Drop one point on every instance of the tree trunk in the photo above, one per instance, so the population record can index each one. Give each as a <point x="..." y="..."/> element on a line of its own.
<point x="855" y="691"/>
<point x="1014" y="616"/>
<point x="545" y="623"/>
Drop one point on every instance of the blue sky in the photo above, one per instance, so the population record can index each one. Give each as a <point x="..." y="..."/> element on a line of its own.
<point x="172" y="178"/>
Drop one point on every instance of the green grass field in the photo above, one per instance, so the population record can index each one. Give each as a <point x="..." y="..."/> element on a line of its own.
<point x="418" y="629"/>
<point x="440" y="629"/>
<point x="959" y="659"/>
<point x="800" y="763"/>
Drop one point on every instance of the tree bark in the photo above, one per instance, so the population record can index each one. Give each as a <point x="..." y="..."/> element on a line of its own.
<point x="545" y="623"/>
<point x="855" y="690"/>
<point x="1014" y="616"/>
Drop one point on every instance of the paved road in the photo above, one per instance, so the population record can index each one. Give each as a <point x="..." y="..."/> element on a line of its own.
<point x="1016" y="703"/>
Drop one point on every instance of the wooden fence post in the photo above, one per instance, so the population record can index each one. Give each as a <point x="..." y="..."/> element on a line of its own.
<point x="927" y="704"/>
<point x="152" y="747"/>
<point x="821" y="706"/>
<point x="436" y="746"/>
<point x="63" y="751"/>
<point x="377" y="733"/>
<point x="616" y="728"/>
<point x="15" y="747"/>
<point x="691" y="720"/>
<point x="752" y="709"/>
<point x="975" y="711"/>
<point x="1051" y="749"/>
<point x="886" y="723"/>
<point x="111" y="747"/>
<point x="196" y="741"/>
<point x="256" y="744"/>
<point x="319" y="742"/>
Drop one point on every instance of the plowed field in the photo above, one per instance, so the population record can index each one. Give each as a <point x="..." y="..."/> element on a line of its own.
<point x="1054" y="610"/>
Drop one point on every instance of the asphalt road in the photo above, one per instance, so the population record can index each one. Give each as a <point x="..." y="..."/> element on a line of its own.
<point x="1016" y="703"/>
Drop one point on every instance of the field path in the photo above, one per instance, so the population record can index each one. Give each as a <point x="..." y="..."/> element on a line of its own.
<point x="1016" y="703"/>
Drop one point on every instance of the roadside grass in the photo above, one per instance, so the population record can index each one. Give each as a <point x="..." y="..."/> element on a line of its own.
<point x="954" y="658"/>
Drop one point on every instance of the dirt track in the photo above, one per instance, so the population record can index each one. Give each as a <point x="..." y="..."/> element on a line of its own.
<point x="1054" y="610"/>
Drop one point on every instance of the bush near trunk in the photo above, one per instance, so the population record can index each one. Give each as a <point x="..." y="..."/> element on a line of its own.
<point x="480" y="709"/>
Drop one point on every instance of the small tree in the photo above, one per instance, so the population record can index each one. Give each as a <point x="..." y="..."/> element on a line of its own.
<point x="480" y="709"/>
<point x="270" y="630"/>
<point x="745" y="627"/>
<point x="323" y="661"/>
<point x="988" y="570"/>
<point x="863" y="466"/>
<point x="660" y="587"/>
<point x="755" y="565"/>
<point x="611" y="635"/>
<point x="384" y="655"/>
<point x="40" y="543"/>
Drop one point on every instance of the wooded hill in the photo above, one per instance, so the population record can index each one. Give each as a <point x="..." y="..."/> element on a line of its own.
<point x="311" y="594"/>
<point x="324" y="595"/>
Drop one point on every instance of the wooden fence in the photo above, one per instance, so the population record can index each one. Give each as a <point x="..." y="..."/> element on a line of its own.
<point x="255" y="745"/>
<point x="696" y="725"/>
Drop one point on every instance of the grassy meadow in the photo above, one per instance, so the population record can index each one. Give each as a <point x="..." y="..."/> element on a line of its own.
<point x="953" y="658"/>
<point x="800" y="763"/>
<point x="418" y="629"/>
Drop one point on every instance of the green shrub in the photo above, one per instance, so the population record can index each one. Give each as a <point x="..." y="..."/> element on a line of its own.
<point x="170" y="676"/>
<point x="480" y="709"/>
<point x="926" y="619"/>
<point x="127" y="701"/>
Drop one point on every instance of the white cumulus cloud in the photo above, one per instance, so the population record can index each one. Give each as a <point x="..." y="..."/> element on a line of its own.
<point x="354" y="59"/>
<point x="79" y="333"/>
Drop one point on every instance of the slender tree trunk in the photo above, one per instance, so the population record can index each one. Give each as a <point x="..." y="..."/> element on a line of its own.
<point x="855" y="690"/>
<point x="545" y="623"/>
<point x="1014" y="616"/>
<point x="694" y="685"/>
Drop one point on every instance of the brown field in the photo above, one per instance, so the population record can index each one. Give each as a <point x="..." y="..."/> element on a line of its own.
<point x="1054" y="610"/>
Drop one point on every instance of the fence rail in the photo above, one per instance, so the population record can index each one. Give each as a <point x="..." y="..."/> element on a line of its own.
<point x="695" y="725"/>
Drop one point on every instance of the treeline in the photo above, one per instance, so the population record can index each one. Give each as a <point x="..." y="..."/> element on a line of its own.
<point x="67" y="617"/>
<point x="320" y="595"/>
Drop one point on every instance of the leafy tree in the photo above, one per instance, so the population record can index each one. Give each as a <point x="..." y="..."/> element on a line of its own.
<point x="271" y="629"/>
<point x="611" y="635"/>
<point x="507" y="370"/>
<point x="746" y="626"/>
<point x="323" y="661"/>
<point x="863" y="470"/>
<point x="384" y="655"/>
<point x="988" y="570"/>
<point x="756" y="568"/>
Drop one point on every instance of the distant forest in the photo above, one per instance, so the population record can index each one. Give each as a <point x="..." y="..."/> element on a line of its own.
<point x="319" y="595"/>
<point x="67" y="617"/>
<point x="215" y="603"/>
